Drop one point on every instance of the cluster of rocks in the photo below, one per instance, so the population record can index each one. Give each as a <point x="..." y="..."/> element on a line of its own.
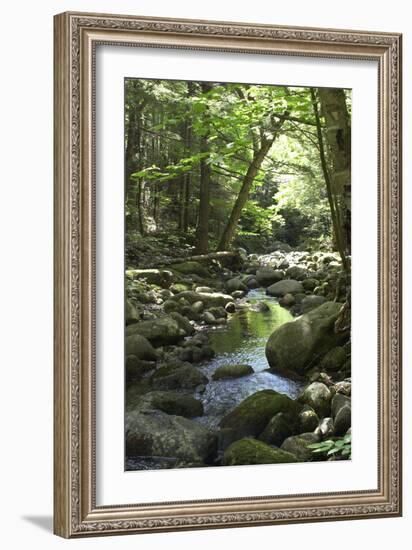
<point x="167" y="312"/>
<point x="266" y="428"/>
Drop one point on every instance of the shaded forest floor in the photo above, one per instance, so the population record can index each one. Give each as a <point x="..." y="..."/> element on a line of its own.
<point x="243" y="359"/>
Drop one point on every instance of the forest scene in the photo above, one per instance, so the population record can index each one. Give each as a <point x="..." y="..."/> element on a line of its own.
<point x="237" y="274"/>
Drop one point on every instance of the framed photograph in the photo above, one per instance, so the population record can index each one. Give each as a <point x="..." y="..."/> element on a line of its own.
<point x="227" y="274"/>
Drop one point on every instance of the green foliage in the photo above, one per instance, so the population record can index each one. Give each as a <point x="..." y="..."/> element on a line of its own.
<point x="337" y="448"/>
<point x="166" y="122"/>
<point x="259" y="220"/>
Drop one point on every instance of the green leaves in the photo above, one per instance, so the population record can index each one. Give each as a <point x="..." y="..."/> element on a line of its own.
<point x="335" y="448"/>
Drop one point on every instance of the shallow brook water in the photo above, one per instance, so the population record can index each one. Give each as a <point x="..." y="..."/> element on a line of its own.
<point x="243" y="341"/>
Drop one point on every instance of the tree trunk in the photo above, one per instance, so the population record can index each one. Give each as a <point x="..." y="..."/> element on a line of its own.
<point x="338" y="138"/>
<point x="188" y="175"/>
<point x="202" y="230"/>
<point x="333" y="205"/>
<point x="258" y="158"/>
<point x="139" y="200"/>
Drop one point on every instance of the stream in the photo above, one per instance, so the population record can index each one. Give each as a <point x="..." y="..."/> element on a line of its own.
<point x="243" y="341"/>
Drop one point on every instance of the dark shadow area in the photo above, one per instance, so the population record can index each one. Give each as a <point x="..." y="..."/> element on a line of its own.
<point x="43" y="522"/>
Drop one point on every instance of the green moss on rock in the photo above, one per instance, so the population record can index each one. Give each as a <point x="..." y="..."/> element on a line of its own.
<point x="189" y="268"/>
<point x="252" y="451"/>
<point x="232" y="371"/>
<point x="252" y="415"/>
<point x="292" y="347"/>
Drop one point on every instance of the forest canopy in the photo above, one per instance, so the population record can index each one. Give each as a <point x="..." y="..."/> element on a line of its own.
<point x="227" y="164"/>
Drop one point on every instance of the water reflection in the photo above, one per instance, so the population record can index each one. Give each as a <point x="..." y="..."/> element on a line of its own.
<point x="243" y="341"/>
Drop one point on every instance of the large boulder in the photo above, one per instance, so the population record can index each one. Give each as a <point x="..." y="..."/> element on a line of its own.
<point x="140" y="347"/>
<point x="341" y="413"/>
<point x="278" y="429"/>
<point x="159" y="277"/>
<point x="177" y="376"/>
<point x="288" y="286"/>
<point x="232" y="371"/>
<point x="156" y="433"/>
<point x="252" y="415"/>
<point x="160" y="332"/>
<point x="318" y="396"/>
<point x="294" y="346"/>
<point x="252" y="451"/>
<point x="191" y="268"/>
<point x="267" y="276"/>
<point x="169" y="402"/>
<point x="297" y="445"/>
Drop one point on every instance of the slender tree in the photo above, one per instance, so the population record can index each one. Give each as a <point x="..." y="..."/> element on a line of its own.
<point x="261" y="149"/>
<point x="202" y="230"/>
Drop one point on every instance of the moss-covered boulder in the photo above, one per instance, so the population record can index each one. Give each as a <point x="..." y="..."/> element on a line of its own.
<point x="232" y="371"/>
<point x="177" y="376"/>
<point x="267" y="276"/>
<point x="136" y="368"/>
<point x="278" y="429"/>
<point x="191" y="268"/>
<point x="140" y="347"/>
<point x="183" y="323"/>
<point x="179" y="287"/>
<point x="318" y="396"/>
<point x="252" y="451"/>
<point x="334" y="359"/>
<point x="156" y="433"/>
<point x="294" y="346"/>
<point x="162" y="331"/>
<point x="131" y="313"/>
<point x="297" y="445"/>
<point x="288" y="286"/>
<point x="169" y="402"/>
<point x="252" y="415"/>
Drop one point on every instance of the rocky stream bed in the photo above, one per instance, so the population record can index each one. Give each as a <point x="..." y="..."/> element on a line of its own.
<point x="237" y="360"/>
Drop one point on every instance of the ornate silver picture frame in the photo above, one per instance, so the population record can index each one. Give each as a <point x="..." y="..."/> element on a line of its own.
<point x="76" y="512"/>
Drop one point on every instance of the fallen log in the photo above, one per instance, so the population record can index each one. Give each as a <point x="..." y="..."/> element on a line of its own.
<point x="197" y="258"/>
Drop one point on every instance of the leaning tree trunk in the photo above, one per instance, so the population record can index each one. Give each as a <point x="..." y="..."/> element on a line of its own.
<point x="338" y="138"/>
<point x="255" y="165"/>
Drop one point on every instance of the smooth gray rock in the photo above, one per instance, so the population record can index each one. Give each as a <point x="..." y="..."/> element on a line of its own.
<point x="159" y="434"/>
<point x="288" y="286"/>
